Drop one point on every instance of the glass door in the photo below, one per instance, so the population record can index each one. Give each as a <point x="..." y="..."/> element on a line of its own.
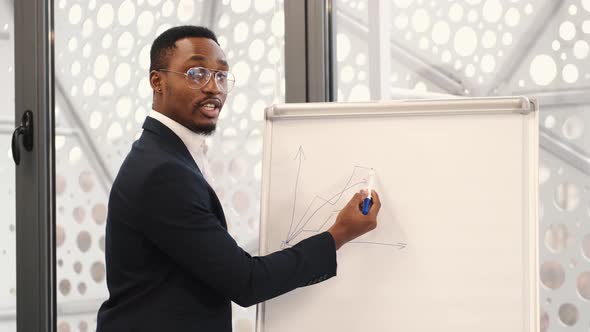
<point x="7" y="167"/>
<point x="28" y="96"/>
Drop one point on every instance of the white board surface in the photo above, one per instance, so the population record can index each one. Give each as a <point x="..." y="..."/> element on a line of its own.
<point x="455" y="248"/>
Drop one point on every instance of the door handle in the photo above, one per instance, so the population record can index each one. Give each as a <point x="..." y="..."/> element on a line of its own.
<point x="26" y="131"/>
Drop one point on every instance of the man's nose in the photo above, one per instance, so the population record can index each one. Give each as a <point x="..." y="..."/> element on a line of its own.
<point x="212" y="86"/>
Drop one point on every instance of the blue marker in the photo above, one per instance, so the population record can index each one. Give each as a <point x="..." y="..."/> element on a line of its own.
<point x="369" y="201"/>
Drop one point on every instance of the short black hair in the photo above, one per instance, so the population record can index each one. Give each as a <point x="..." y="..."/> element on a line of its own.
<point x="166" y="42"/>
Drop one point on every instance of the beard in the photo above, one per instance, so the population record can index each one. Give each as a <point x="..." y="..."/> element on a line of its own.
<point x="205" y="130"/>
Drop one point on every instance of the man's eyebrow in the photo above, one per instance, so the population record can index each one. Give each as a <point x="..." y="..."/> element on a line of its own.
<point x="200" y="57"/>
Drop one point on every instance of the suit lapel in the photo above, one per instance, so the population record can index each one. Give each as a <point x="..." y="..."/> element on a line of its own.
<point x="174" y="142"/>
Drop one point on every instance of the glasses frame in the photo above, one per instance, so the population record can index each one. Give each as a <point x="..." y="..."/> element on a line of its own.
<point x="212" y="73"/>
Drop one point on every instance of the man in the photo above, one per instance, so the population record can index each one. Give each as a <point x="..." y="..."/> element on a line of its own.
<point x="171" y="264"/>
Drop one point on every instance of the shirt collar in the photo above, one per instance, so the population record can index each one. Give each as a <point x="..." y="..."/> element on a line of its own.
<point x="194" y="142"/>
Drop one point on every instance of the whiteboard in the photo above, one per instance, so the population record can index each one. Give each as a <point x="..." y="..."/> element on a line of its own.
<point x="455" y="248"/>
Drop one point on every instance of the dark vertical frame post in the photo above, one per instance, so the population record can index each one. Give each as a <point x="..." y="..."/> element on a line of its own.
<point x="35" y="176"/>
<point x="309" y="51"/>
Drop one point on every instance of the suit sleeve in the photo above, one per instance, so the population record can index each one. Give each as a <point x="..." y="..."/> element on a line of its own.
<point x="179" y="221"/>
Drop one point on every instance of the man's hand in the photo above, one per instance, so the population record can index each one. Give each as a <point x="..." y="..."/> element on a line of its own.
<point x="351" y="222"/>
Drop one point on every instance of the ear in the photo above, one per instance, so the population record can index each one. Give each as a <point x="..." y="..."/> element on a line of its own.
<point x="156" y="81"/>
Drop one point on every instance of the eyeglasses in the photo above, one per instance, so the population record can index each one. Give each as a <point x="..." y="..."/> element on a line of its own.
<point x="198" y="77"/>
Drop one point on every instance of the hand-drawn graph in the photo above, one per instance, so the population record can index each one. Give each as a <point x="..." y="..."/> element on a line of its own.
<point x="321" y="211"/>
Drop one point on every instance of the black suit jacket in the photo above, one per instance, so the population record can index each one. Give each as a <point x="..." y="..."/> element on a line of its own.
<point x="171" y="264"/>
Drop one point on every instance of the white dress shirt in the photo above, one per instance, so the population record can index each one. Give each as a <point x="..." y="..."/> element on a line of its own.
<point x="195" y="143"/>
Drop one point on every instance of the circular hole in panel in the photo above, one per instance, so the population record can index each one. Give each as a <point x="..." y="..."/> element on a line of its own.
<point x="101" y="243"/>
<point x="549" y="121"/>
<point x="456" y="12"/>
<point x="259" y="26"/>
<point x="145" y="23"/>
<point x="60" y="184"/>
<point x="573" y="127"/>
<point x="123" y="106"/>
<point x="277" y="25"/>
<point x="107" y="41"/>
<point x="101" y="66"/>
<point x="60" y="236"/>
<point x="263" y="6"/>
<point x="89" y="86"/>
<point x="220" y="193"/>
<point x="441" y="32"/>
<point x="240" y="6"/>
<point x="83" y="241"/>
<point x="256" y="50"/>
<point x="122" y="74"/>
<point x="217" y="168"/>
<point x="568" y="314"/>
<point x="544" y="321"/>
<point x="241" y="71"/>
<point x="97" y="271"/>
<point x="63" y="327"/>
<point x="567" y="196"/>
<point x="420" y="20"/>
<point x="238" y="167"/>
<point x="64" y="287"/>
<point x="581" y="49"/>
<point x="72" y="44"/>
<point x="144" y="57"/>
<point x="543" y="70"/>
<point x="95" y="119"/>
<point x="570" y="73"/>
<point x="75" y="14"/>
<point x="185" y="10"/>
<point x="82" y="326"/>
<point x="105" y="16"/>
<point x="567" y="30"/>
<point x="126" y="12"/>
<point x="240" y="102"/>
<point x="167" y="8"/>
<point x="82" y="289"/>
<point x="343" y="47"/>
<point x="492" y="10"/>
<point x="99" y="213"/>
<point x="75" y="68"/>
<point x="583" y="285"/>
<point x="465" y="41"/>
<point x="512" y="17"/>
<point x="77" y="267"/>
<point x="254" y="142"/>
<point x="552" y="274"/>
<point x="140" y="114"/>
<point x="557" y="238"/>
<point x="86" y="180"/>
<point x="401" y="21"/>
<point x="125" y="43"/>
<point x="240" y="33"/>
<point x="87" y="30"/>
<point x="115" y="132"/>
<point x="79" y="214"/>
